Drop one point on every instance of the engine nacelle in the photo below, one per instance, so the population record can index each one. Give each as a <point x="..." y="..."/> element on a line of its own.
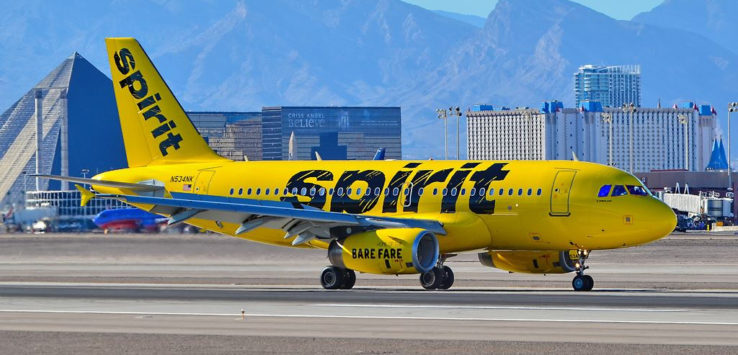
<point x="387" y="251"/>
<point x="531" y="262"/>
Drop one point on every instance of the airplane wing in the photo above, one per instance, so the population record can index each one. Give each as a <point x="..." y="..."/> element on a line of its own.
<point x="297" y="220"/>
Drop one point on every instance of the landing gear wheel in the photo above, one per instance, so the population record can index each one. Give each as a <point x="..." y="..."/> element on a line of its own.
<point x="332" y="278"/>
<point x="579" y="283"/>
<point x="431" y="280"/>
<point x="349" y="279"/>
<point x="448" y="278"/>
<point x="589" y="282"/>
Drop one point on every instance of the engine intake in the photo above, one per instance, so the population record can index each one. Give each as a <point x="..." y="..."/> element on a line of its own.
<point x="387" y="251"/>
<point x="531" y="262"/>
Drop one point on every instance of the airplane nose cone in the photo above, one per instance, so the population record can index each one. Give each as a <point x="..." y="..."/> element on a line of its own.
<point x="666" y="220"/>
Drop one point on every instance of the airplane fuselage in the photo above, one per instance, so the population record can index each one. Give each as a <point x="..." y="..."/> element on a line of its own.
<point x="501" y="205"/>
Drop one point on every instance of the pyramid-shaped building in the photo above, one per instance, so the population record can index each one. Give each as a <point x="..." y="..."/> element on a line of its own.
<point x="80" y="131"/>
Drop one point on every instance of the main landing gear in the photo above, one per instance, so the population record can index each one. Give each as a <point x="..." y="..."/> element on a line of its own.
<point x="582" y="282"/>
<point x="334" y="277"/>
<point x="440" y="277"/>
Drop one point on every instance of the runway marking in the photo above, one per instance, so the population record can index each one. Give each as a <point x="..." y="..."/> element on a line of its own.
<point x="499" y="319"/>
<point x="522" y="308"/>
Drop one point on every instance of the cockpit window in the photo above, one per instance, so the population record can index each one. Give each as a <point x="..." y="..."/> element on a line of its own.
<point x="604" y="191"/>
<point x="619" y="190"/>
<point x="637" y="190"/>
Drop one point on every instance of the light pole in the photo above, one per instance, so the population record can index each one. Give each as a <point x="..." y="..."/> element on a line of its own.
<point x="457" y="112"/>
<point x="733" y="107"/>
<point x="684" y="119"/>
<point x="442" y="115"/>
<point x="630" y="108"/>
<point x="607" y="118"/>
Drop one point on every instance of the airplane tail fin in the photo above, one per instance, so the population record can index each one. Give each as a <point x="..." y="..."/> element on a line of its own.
<point x="156" y="130"/>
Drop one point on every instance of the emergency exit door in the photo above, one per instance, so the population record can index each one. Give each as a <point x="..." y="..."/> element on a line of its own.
<point x="560" y="192"/>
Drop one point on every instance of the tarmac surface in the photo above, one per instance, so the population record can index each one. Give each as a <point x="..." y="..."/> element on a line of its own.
<point x="186" y="294"/>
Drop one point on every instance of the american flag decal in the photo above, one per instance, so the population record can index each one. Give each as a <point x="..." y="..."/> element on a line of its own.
<point x="187" y="187"/>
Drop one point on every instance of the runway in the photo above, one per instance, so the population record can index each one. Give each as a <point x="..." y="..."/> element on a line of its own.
<point x="93" y="290"/>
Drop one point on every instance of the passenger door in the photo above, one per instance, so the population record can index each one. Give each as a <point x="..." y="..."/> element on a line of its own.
<point x="560" y="192"/>
<point x="202" y="182"/>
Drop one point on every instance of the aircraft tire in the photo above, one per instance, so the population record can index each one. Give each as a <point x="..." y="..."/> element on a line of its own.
<point x="349" y="279"/>
<point x="448" y="278"/>
<point x="589" y="281"/>
<point x="579" y="283"/>
<point x="431" y="280"/>
<point x="332" y="278"/>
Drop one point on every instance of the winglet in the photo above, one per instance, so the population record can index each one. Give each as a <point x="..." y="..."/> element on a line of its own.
<point x="87" y="195"/>
<point x="574" y="156"/>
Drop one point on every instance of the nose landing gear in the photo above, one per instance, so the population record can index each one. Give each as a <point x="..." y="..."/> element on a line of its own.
<point x="582" y="282"/>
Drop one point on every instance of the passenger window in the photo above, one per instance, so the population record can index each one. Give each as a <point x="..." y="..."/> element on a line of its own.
<point x="463" y="192"/>
<point x="321" y="192"/>
<point x="231" y="191"/>
<point x="502" y="192"/>
<point x="276" y="191"/>
<point x="303" y="191"/>
<point x="330" y="191"/>
<point x="637" y="190"/>
<point x="358" y="191"/>
<point x="294" y="191"/>
<point x="435" y="192"/>
<point x="539" y="192"/>
<point x="258" y="191"/>
<point x="445" y="192"/>
<point x="520" y="192"/>
<point x="491" y="191"/>
<point x="248" y="192"/>
<point x="604" y="191"/>
<point x="286" y="191"/>
<point x="312" y="191"/>
<point x="453" y="192"/>
<point x="266" y="191"/>
<point x="510" y="192"/>
<point x="619" y="190"/>
<point x="377" y="191"/>
<point x="348" y="192"/>
<point x="386" y="191"/>
<point x="530" y="192"/>
<point x="481" y="191"/>
<point x="395" y="191"/>
<point x="420" y="191"/>
<point x="340" y="191"/>
<point x="406" y="191"/>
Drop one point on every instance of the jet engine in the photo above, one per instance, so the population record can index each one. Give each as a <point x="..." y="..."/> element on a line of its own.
<point x="531" y="262"/>
<point x="386" y="251"/>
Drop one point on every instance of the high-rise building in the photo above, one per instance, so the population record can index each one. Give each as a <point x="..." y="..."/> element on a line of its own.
<point x="660" y="138"/>
<point x="77" y="133"/>
<point x="360" y="132"/>
<point x="233" y="135"/>
<point x="612" y="86"/>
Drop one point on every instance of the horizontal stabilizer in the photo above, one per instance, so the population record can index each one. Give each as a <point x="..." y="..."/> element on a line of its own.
<point x="117" y="184"/>
<point x="87" y="195"/>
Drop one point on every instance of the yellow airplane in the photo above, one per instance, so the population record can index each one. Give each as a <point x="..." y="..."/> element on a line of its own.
<point x="381" y="217"/>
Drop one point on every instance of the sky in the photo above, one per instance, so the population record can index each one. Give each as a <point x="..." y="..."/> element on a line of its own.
<point x="618" y="9"/>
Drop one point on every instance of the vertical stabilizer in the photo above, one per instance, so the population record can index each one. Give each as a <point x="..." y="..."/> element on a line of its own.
<point x="156" y="129"/>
